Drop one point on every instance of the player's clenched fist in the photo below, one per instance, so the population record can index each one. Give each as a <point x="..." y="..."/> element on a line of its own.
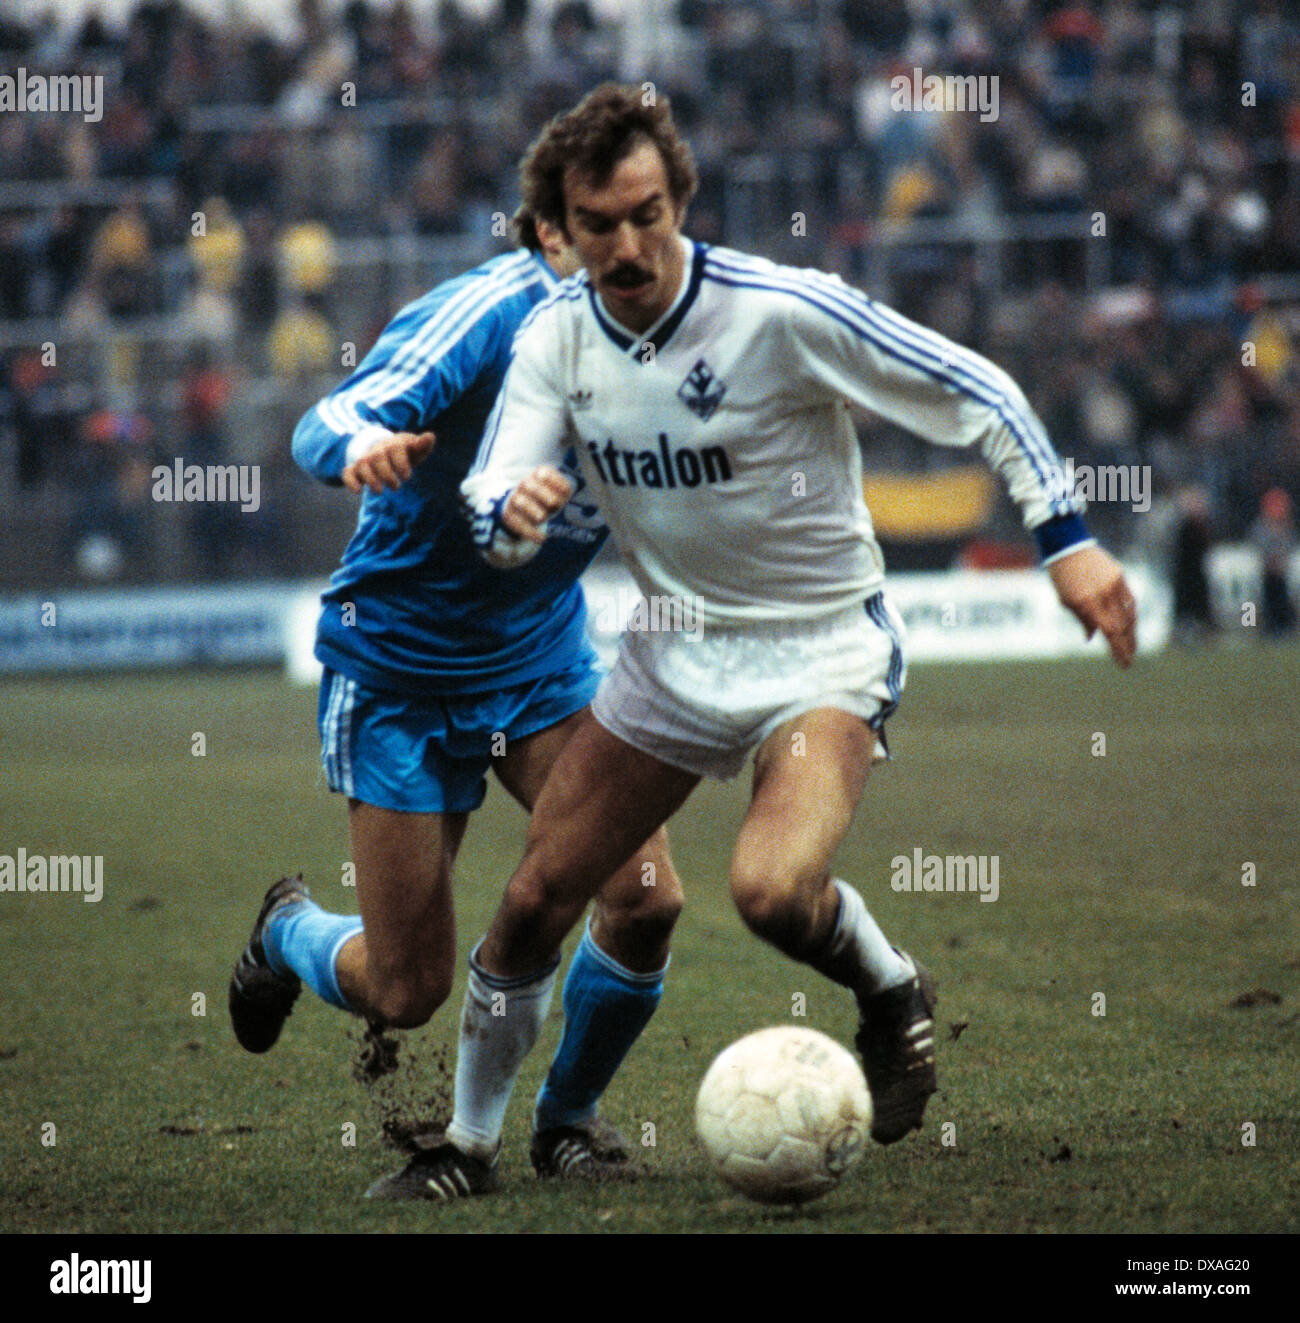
<point x="389" y="462"/>
<point x="543" y="493"/>
<point x="1091" y="584"/>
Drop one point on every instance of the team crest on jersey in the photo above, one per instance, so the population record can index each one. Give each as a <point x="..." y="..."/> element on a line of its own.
<point x="701" y="392"/>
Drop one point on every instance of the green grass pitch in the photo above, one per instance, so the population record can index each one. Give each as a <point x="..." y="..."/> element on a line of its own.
<point x="1120" y="875"/>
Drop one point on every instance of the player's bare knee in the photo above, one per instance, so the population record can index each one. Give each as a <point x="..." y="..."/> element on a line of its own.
<point x="400" y="1009"/>
<point x="655" y="873"/>
<point x="527" y="896"/>
<point x="536" y="894"/>
<point x="772" y="916"/>
<point x="661" y="890"/>
<point x="662" y="910"/>
<point x="644" y="900"/>
<point x="752" y="890"/>
<point x="655" y="897"/>
<point x="646" y="926"/>
<point x="409" y="1002"/>
<point x="772" y="900"/>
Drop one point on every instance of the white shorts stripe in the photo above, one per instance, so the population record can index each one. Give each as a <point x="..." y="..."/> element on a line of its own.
<point x="327" y="729"/>
<point x="335" y="750"/>
<point x="346" y="783"/>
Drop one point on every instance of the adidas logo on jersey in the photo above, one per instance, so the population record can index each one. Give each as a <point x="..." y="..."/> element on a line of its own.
<point x="683" y="467"/>
<point x="701" y="392"/>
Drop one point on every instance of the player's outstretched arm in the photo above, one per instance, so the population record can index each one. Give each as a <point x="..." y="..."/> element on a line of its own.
<point x="388" y="462"/>
<point x="851" y="347"/>
<point x="543" y="493"/>
<point x="1091" y="584"/>
<point x="368" y="431"/>
<point x="951" y="396"/>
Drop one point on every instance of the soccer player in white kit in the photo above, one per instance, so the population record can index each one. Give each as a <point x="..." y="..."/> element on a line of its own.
<point x="704" y="391"/>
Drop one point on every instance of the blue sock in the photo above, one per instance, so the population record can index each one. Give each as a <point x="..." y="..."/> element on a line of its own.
<point x="307" y="940"/>
<point x="605" y="1009"/>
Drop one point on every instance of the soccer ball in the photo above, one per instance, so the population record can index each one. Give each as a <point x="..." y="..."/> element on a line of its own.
<point x="783" y="1113"/>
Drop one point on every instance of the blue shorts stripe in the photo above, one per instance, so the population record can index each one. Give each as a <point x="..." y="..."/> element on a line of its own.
<point x="879" y="616"/>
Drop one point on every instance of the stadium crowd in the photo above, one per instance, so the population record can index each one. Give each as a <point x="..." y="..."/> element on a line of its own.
<point x="232" y="164"/>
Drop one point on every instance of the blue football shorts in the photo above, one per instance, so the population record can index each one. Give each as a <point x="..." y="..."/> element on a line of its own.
<point x="431" y="754"/>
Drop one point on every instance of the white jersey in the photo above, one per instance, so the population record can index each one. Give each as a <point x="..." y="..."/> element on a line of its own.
<point x="718" y="444"/>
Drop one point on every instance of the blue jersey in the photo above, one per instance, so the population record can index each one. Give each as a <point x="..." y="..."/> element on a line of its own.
<point x="413" y="608"/>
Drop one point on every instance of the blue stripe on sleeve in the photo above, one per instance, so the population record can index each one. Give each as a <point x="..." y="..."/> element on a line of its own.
<point x="908" y="343"/>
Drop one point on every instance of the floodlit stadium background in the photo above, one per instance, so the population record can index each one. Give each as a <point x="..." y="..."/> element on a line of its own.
<point x="267" y="184"/>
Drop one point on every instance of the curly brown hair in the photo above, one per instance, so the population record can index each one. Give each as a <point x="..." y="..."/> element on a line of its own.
<point x="592" y="138"/>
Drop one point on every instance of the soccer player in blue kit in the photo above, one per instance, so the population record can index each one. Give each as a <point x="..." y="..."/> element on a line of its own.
<point x="438" y="666"/>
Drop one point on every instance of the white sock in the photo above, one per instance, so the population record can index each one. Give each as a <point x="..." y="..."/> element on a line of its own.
<point x="859" y="955"/>
<point x="499" y="1024"/>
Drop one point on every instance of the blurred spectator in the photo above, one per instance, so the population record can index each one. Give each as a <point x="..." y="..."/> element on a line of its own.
<point x="1193" y="537"/>
<point x="1274" y="536"/>
<point x="438" y="187"/>
<point x="307" y="258"/>
<point x="110" y="482"/>
<point x="301" y="341"/>
<point x="350" y="187"/>
<point x="124" y="137"/>
<point x="15" y="270"/>
<point x="1076" y="38"/>
<point x="121" y="264"/>
<point x="567" y="65"/>
<point x="216" y="255"/>
<point x="217" y="246"/>
<point x="214" y="526"/>
<point x="259" y="276"/>
<point x="64" y="250"/>
<point x="249" y="171"/>
<point x="1273" y="357"/>
<point x="40" y="411"/>
<point x="205" y="392"/>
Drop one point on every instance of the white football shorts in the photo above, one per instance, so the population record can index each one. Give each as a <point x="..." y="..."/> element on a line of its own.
<point x="703" y="702"/>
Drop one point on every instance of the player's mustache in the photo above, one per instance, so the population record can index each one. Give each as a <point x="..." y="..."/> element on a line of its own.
<point x="626" y="277"/>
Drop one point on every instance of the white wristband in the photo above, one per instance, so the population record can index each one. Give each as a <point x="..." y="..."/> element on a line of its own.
<point x="364" y="441"/>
